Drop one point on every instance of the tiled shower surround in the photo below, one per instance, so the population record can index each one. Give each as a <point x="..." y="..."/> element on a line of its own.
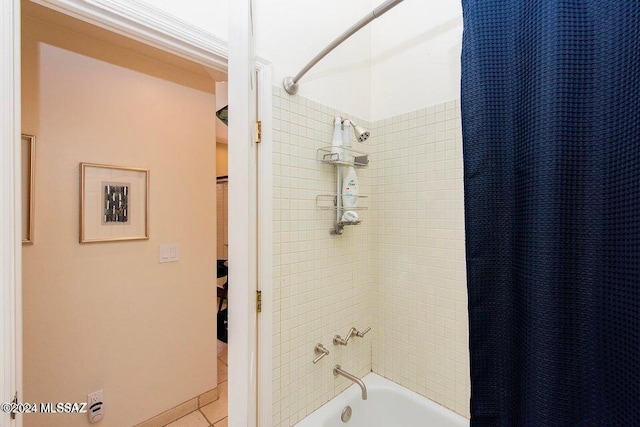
<point x="421" y="339"/>
<point x="402" y="271"/>
<point x="323" y="284"/>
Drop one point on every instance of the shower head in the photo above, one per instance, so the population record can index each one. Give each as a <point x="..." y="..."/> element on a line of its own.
<point x="361" y="133"/>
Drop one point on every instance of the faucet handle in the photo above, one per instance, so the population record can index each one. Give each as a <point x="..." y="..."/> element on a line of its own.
<point x="363" y="333"/>
<point x="338" y="340"/>
<point x="320" y="351"/>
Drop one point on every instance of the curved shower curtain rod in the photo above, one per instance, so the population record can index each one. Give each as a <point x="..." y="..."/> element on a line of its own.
<point x="291" y="83"/>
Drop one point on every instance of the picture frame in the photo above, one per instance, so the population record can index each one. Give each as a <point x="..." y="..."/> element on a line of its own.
<point x="28" y="158"/>
<point x="114" y="203"/>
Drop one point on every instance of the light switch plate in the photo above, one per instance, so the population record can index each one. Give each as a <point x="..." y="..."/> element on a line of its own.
<point x="168" y="253"/>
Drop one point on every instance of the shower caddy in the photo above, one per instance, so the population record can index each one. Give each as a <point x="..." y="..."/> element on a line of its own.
<point x="344" y="157"/>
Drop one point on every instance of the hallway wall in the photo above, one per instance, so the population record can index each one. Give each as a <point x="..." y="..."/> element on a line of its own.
<point x="107" y="315"/>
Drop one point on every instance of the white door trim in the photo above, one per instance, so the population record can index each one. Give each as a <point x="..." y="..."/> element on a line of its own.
<point x="259" y="191"/>
<point x="149" y="25"/>
<point x="11" y="208"/>
<point x="242" y="203"/>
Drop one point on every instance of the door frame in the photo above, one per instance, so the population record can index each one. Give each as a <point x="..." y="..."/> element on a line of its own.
<point x="11" y="208"/>
<point x="154" y="27"/>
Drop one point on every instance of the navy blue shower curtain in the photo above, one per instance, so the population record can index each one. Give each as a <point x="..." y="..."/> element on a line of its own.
<point x="551" y="127"/>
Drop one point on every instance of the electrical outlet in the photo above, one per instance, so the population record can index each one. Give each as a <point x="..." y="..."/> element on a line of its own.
<point x="95" y="405"/>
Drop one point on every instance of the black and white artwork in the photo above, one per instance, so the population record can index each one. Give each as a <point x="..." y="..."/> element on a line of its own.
<point x="116" y="202"/>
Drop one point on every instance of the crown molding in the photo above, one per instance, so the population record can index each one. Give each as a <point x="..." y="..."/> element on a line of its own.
<point x="150" y="25"/>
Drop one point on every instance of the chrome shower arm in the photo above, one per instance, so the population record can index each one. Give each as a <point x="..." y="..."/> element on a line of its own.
<point x="291" y="83"/>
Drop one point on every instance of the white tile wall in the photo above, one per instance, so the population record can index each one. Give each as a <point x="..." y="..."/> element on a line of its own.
<point x="323" y="284"/>
<point x="421" y="339"/>
<point x="402" y="271"/>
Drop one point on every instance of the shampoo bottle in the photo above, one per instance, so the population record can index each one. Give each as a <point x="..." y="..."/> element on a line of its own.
<point x="336" y="142"/>
<point x="346" y="140"/>
<point x="346" y="133"/>
<point x="350" y="188"/>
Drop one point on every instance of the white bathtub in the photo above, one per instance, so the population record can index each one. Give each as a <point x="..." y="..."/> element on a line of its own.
<point x="388" y="405"/>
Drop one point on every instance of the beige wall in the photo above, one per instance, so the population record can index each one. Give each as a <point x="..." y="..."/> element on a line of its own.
<point x="322" y="283"/>
<point x="222" y="158"/>
<point x="222" y="233"/>
<point x="222" y="198"/>
<point x="107" y="315"/>
<point x="421" y="339"/>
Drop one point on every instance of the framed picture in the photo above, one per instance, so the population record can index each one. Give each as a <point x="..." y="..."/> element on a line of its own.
<point x="114" y="203"/>
<point x="28" y="183"/>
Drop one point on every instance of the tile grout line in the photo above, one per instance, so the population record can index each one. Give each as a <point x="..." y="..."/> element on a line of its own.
<point x="205" y="417"/>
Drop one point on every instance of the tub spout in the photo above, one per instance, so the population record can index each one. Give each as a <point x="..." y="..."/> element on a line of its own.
<point x="337" y="370"/>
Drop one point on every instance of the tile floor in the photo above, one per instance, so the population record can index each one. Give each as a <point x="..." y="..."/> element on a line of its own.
<point x="213" y="414"/>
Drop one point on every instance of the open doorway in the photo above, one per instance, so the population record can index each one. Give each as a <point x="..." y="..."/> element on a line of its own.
<point x="222" y="238"/>
<point x="118" y="316"/>
<point x="222" y="215"/>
